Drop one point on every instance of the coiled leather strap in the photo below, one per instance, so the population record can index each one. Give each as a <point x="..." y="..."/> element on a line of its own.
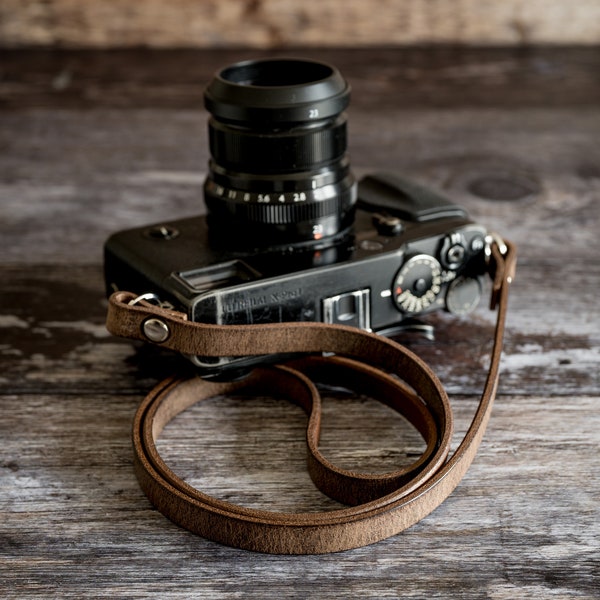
<point x="380" y="505"/>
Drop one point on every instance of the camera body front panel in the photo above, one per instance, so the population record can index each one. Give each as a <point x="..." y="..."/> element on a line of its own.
<point x="409" y="252"/>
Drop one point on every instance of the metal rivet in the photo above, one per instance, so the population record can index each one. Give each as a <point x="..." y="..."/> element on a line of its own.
<point x="156" y="330"/>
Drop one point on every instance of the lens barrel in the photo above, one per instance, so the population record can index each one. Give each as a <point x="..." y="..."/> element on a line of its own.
<point x="279" y="174"/>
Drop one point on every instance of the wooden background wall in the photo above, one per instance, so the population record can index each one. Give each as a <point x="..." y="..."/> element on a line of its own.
<point x="281" y="23"/>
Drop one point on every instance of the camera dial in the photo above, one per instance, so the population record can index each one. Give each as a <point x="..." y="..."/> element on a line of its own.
<point x="463" y="295"/>
<point x="418" y="284"/>
<point x="453" y="253"/>
<point x="279" y="174"/>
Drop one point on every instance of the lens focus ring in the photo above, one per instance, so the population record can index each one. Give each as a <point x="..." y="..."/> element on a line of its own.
<point x="267" y="152"/>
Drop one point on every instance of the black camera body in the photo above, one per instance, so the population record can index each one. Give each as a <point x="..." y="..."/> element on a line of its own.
<point x="290" y="236"/>
<point x="409" y="253"/>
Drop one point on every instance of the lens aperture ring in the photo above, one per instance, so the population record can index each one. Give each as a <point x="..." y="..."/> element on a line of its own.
<point x="288" y="213"/>
<point x="281" y="208"/>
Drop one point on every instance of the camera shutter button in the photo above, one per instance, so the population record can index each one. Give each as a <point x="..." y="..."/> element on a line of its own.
<point x="420" y="285"/>
<point x="453" y="253"/>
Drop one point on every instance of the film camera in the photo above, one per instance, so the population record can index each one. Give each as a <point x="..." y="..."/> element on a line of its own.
<point x="290" y="235"/>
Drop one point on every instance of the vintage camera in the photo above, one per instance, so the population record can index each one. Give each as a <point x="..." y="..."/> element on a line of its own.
<point x="290" y="235"/>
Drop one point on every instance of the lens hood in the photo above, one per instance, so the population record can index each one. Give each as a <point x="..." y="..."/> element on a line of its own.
<point x="273" y="91"/>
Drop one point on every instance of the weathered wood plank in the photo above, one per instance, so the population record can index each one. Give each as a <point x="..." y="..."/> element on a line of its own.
<point x="443" y="76"/>
<point x="484" y="541"/>
<point x="280" y="23"/>
<point x="524" y="523"/>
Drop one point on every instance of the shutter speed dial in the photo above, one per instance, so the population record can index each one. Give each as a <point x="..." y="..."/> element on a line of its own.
<point x="418" y="284"/>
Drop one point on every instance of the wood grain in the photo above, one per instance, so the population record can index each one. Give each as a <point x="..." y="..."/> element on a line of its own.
<point x="391" y="78"/>
<point x="524" y="523"/>
<point x="281" y="23"/>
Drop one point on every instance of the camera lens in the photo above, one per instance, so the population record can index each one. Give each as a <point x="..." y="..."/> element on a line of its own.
<point x="279" y="174"/>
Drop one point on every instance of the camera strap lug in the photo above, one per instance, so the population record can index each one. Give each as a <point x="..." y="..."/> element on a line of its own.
<point x="150" y="298"/>
<point x="381" y="505"/>
<point x="494" y="239"/>
<point x="496" y="256"/>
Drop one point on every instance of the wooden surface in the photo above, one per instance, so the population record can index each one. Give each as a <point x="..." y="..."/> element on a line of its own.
<point x="285" y="23"/>
<point x="108" y="151"/>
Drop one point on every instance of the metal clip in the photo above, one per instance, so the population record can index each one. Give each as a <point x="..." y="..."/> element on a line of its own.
<point x="491" y="239"/>
<point x="151" y="298"/>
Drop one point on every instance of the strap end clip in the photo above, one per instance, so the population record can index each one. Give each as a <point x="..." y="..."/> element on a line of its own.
<point x="500" y="257"/>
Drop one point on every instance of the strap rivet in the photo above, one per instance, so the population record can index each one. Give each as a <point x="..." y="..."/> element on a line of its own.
<point x="156" y="330"/>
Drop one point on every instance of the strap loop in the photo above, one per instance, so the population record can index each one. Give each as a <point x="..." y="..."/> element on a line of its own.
<point x="381" y="505"/>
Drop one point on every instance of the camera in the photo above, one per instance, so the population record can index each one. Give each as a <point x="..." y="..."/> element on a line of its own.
<point x="290" y="235"/>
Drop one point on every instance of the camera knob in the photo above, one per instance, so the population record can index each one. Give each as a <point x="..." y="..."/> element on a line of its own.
<point x="453" y="253"/>
<point x="418" y="284"/>
<point x="463" y="295"/>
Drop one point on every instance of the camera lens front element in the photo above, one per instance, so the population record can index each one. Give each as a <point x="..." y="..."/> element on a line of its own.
<point x="279" y="173"/>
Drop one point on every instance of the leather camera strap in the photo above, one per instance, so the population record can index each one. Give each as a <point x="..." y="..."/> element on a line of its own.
<point x="380" y="505"/>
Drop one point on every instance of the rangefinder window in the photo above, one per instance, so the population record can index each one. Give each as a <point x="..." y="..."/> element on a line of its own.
<point x="216" y="276"/>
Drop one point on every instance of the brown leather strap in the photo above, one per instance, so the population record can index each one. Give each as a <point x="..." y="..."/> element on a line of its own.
<point x="381" y="505"/>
